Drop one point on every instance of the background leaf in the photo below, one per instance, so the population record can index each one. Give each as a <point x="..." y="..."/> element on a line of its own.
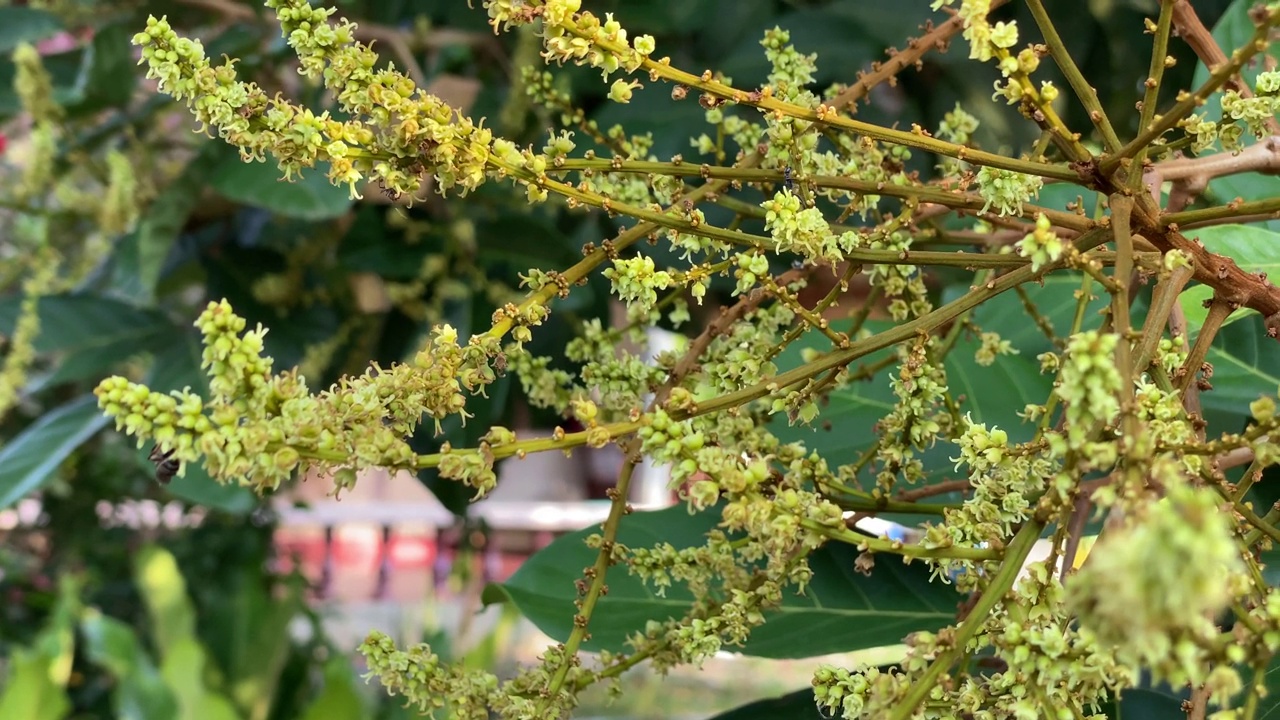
<point x="1233" y="30"/>
<point x="1254" y="249"/>
<point x="164" y="592"/>
<point x="311" y="197"/>
<point x="31" y="458"/>
<point x="841" y="610"/>
<point x="799" y="705"/>
<point x="19" y="24"/>
<point x="140" y="692"/>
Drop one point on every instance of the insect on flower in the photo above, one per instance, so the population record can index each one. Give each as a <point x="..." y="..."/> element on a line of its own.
<point x="166" y="466"/>
<point x="786" y="179"/>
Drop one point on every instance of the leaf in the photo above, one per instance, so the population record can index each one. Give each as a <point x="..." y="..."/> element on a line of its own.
<point x="107" y="76"/>
<point x="840" y="611"/>
<point x="89" y="324"/>
<point x="798" y="705"/>
<point x="38" y="676"/>
<point x="140" y="692"/>
<point x="1253" y="248"/>
<point x="311" y="197"/>
<point x="29" y="692"/>
<point x="852" y="411"/>
<point x="340" y="697"/>
<point x="162" y="223"/>
<point x="996" y="393"/>
<point x="184" y="671"/>
<point x="91" y="334"/>
<point x="164" y="592"/>
<point x="524" y="242"/>
<point x="31" y="458"/>
<point x="19" y="24"/>
<point x="1233" y="30"/>
<point x="1246" y="365"/>
<point x="261" y="646"/>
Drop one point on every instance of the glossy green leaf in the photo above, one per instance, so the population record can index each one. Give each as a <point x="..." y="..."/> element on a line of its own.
<point x="31" y="458"/>
<point x="994" y="394"/>
<point x="841" y="610"/>
<point x="311" y="197"/>
<point x="1055" y="300"/>
<point x="164" y="592"/>
<point x="1253" y="248"/>
<point x="20" y="24"/>
<point x="846" y="426"/>
<point x="140" y="692"/>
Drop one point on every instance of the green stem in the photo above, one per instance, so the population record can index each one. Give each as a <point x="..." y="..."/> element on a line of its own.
<point x="1003" y="580"/>
<point x="1256" y="44"/>
<point x="604" y="560"/>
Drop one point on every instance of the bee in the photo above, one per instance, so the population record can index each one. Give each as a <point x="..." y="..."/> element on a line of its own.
<point x="166" y="466"/>
<point x="787" y="182"/>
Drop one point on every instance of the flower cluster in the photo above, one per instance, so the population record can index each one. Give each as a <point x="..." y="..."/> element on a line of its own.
<point x="1139" y="594"/>
<point x="258" y="428"/>
<point x="916" y="420"/>
<point x="637" y="281"/>
<point x="406" y="132"/>
<point x="1006" y="190"/>
<point x="1255" y="112"/>
<point x="1042" y="245"/>
<point x="1090" y="384"/>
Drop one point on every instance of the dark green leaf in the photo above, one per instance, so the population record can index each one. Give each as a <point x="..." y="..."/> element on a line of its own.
<point x="1055" y="301"/>
<point x="852" y="411"/>
<point x="996" y="393"/>
<point x="85" y="324"/>
<point x="799" y="705"/>
<point x="841" y="611"/>
<point x="261" y="646"/>
<point x="31" y="458"/>
<point x="140" y="692"/>
<point x="311" y="197"/>
<point x="524" y="242"/>
<point x="109" y="73"/>
<point x="20" y="24"/>
<point x="1145" y="703"/>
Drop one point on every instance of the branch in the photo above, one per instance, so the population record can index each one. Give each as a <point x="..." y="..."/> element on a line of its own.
<point x="1201" y="41"/>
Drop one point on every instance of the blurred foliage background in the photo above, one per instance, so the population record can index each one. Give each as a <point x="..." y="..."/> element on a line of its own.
<point x="118" y="230"/>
